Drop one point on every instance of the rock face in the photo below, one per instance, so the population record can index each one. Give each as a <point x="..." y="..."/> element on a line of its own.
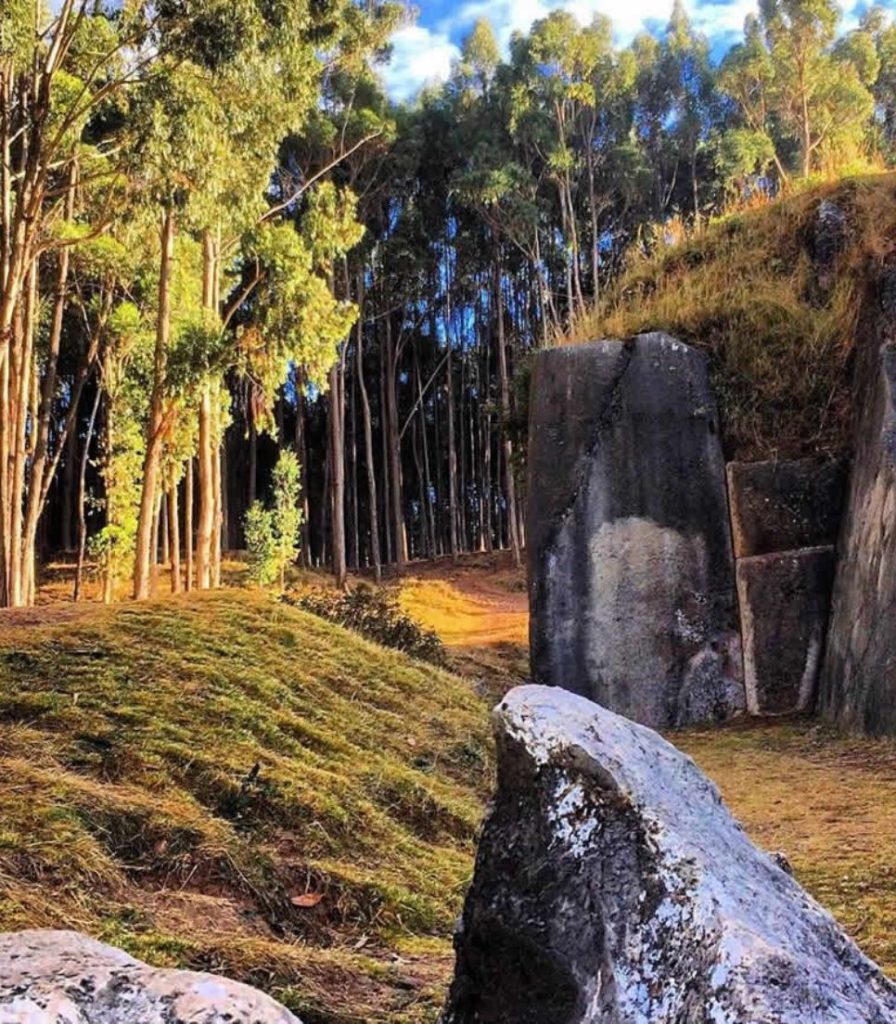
<point x="829" y="237"/>
<point x="858" y="683"/>
<point x="631" y="591"/>
<point x="613" y="887"/>
<point x="52" y="977"/>
<point x="785" y="600"/>
<point x="783" y="506"/>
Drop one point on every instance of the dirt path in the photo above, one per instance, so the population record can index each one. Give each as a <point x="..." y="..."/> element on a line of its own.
<point x="479" y="607"/>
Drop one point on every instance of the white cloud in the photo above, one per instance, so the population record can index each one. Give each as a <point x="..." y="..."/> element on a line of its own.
<point x="508" y="16"/>
<point x="422" y="55"/>
<point x="419" y="56"/>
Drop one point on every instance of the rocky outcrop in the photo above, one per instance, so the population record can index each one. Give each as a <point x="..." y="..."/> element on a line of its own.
<point x="785" y="600"/>
<point x="858" y="683"/>
<point x="785" y="505"/>
<point x="632" y="595"/>
<point x="613" y="887"/>
<point x="58" y="977"/>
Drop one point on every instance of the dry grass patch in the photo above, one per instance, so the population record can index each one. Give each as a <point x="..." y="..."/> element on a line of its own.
<point x="828" y="803"/>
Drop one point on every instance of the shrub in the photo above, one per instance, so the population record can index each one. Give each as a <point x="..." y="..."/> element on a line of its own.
<point x="374" y="612"/>
<point x="272" y="533"/>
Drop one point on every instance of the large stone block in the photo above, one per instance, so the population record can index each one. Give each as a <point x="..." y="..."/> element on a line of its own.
<point x="858" y="682"/>
<point x="612" y="886"/>
<point x="57" y="977"/>
<point x="631" y="577"/>
<point x="784" y="506"/>
<point x="785" y="599"/>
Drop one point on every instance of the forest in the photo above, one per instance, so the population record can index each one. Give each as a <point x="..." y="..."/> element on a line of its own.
<point x="222" y="242"/>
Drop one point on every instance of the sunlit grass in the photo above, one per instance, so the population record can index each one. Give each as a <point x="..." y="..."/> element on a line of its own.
<point x="173" y="774"/>
<point x="744" y="289"/>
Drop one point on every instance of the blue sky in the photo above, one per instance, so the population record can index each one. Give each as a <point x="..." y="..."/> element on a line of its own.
<point x="425" y="48"/>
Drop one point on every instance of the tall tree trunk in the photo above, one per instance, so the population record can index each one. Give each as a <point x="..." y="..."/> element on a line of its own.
<point x="154" y="439"/>
<point x="504" y="383"/>
<point x="40" y="472"/>
<point x="452" y="453"/>
<point x="427" y="477"/>
<point x="336" y="451"/>
<point x="372" y="497"/>
<point x="82" y="492"/>
<point x="109" y="566"/>
<point x="207" y="441"/>
<point x="206" y="519"/>
<point x="355" y="558"/>
<point x="188" y="525"/>
<point x="218" y="492"/>
<point x="163" y="527"/>
<point x="174" y="537"/>
<point x="384" y="438"/>
<point x="302" y="455"/>
<point x="394" y="450"/>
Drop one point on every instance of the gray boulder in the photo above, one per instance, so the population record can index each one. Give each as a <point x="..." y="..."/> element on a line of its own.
<point x="631" y="577"/>
<point x="613" y="887"/>
<point x="59" y="977"/>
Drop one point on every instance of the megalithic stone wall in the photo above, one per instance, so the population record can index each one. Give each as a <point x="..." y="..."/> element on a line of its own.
<point x="858" y="680"/>
<point x="631" y="576"/>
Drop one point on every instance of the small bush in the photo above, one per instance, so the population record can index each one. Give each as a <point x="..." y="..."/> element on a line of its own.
<point x="374" y="612"/>
<point x="272" y="534"/>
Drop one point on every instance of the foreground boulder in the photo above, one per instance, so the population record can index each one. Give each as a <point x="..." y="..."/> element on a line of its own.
<point x="631" y="574"/>
<point x="57" y="977"/>
<point x="613" y="887"/>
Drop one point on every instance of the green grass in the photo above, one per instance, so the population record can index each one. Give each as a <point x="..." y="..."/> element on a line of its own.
<point x="745" y="290"/>
<point x="173" y="775"/>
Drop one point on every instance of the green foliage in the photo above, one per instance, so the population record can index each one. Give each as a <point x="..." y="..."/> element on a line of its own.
<point x="272" y="533"/>
<point x="807" y="96"/>
<point x="374" y="612"/>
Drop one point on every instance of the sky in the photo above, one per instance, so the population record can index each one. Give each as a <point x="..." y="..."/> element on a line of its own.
<point x="424" y="49"/>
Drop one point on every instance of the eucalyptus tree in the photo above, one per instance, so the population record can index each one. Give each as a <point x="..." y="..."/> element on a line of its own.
<point x="805" y="97"/>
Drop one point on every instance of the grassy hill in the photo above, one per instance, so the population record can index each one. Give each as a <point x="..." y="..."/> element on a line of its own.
<point x="746" y="289"/>
<point x="226" y="783"/>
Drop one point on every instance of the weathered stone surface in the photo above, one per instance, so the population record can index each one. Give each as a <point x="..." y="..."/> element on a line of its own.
<point x="631" y="581"/>
<point x="613" y="887"/>
<point x="829" y="238"/>
<point x="785" y="600"/>
<point x="783" y="506"/>
<point x="58" y="977"/>
<point x="858" y="682"/>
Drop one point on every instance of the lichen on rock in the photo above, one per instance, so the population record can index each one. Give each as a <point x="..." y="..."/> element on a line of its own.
<point x="612" y="886"/>
<point x="62" y="977"/>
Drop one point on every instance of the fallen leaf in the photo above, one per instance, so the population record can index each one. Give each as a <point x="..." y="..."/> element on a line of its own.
<point x="308" y="899"/>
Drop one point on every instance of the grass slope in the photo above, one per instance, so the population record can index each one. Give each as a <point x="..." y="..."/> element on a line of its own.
<point x="745" y="290"/>
<point x="174" y="776"/>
